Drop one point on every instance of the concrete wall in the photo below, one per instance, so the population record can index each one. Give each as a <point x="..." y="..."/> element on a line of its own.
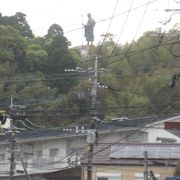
<point x="123" y="136"/>
<point x="128" y="172"/>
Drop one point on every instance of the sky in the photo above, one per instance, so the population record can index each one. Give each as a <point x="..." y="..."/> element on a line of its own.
<point x="110" y="15"/>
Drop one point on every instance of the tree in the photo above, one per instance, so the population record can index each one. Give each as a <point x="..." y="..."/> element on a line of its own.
<point x="36" y="57"/>
<point x="55" y="31"/>
<point x="19" y="22"/>
<point x="59" y="58"/>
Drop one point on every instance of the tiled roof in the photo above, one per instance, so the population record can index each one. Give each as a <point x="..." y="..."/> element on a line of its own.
<point x="101" y="127"/>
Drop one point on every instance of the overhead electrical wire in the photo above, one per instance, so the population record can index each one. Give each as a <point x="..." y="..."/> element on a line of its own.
<point x="106" y="19"/>
<point x="116" y="15"/>
<point x="122" y="139"/>
<point x="137" y="30"/>
<point x="160" y="41"/>
<point x="123" y="27"/>
<point x="100" y="47"/>
<point x="131" y="53"/>
<point x="81" y="77"/>
<point x="34" y="78"/>
<point x="65" y="110"/>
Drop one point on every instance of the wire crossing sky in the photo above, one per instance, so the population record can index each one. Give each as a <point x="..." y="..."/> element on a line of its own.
<point x="71" y="14"/>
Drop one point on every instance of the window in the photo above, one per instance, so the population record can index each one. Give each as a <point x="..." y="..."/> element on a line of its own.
<point x="102" y="178"/>
<point x="76" y="150"/>
<point x="2" y="157"/>
<point x="140" y="176"/>
<point x="27" y="151"/>
<point x="39" y="154"/>
<point x="108" y="176"/>
<point x="26" y="156"/>
<point x="53" y="152"/>
<point x="28" y="148"/>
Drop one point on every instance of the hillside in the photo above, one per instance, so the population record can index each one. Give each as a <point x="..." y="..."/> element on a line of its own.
<point x="32" y="72"/>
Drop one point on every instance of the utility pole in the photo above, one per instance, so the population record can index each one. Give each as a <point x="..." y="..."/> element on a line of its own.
<point x="151" y="173"/>
<point x="15" y="150"/>
<point x="145" y="165"/>
<point x="12" y="158"/>
<point x="92" y="135"/>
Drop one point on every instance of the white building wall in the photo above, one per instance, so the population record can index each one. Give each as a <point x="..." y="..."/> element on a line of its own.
<point x="4" y="151"/>
<point x="77" y="143"/>
<point x="53" y="144"/>
<point x="153" y="134"/>
<point x="124" y="136"/>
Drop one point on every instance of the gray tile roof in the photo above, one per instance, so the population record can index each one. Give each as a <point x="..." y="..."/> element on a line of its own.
<point x="100" y="126"/>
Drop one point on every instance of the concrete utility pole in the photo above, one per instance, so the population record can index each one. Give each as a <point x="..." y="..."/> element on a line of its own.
<point x="151" y="173"/>
<point x="91" y="133"/>
<point x="145" y="165"/>
<point x="15" y="150"/>
<point x="12" y="160"/>
<point x="91" y="137"/>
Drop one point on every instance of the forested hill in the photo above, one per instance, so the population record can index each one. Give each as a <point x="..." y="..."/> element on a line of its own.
<point x="32" y="73"/>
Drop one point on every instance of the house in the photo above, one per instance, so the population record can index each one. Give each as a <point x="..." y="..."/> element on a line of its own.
<point x="127" y="161"/>
<point x="49" y="152"/>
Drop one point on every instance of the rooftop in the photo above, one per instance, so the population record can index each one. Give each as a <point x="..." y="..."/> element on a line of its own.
<point x="77" y="130"/>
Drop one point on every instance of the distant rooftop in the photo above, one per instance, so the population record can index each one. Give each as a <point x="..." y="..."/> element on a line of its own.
<point x="72" y="131"/>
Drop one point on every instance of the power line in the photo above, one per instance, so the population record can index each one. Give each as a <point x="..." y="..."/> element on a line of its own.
<point x="122" y="30"/>
<point x="106" y="19"/>
<point x="131" y="53"/>
<point x="115" y="15"/>
<point x="122" y="139"/>
<point x="52" y="78"/>
<point x="99" y="50"/>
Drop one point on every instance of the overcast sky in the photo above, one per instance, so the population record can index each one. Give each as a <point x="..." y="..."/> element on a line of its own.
<point x="70" y="14"/>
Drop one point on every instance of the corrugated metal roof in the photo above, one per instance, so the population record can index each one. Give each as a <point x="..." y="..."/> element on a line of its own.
<point x="136" y="151"/>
